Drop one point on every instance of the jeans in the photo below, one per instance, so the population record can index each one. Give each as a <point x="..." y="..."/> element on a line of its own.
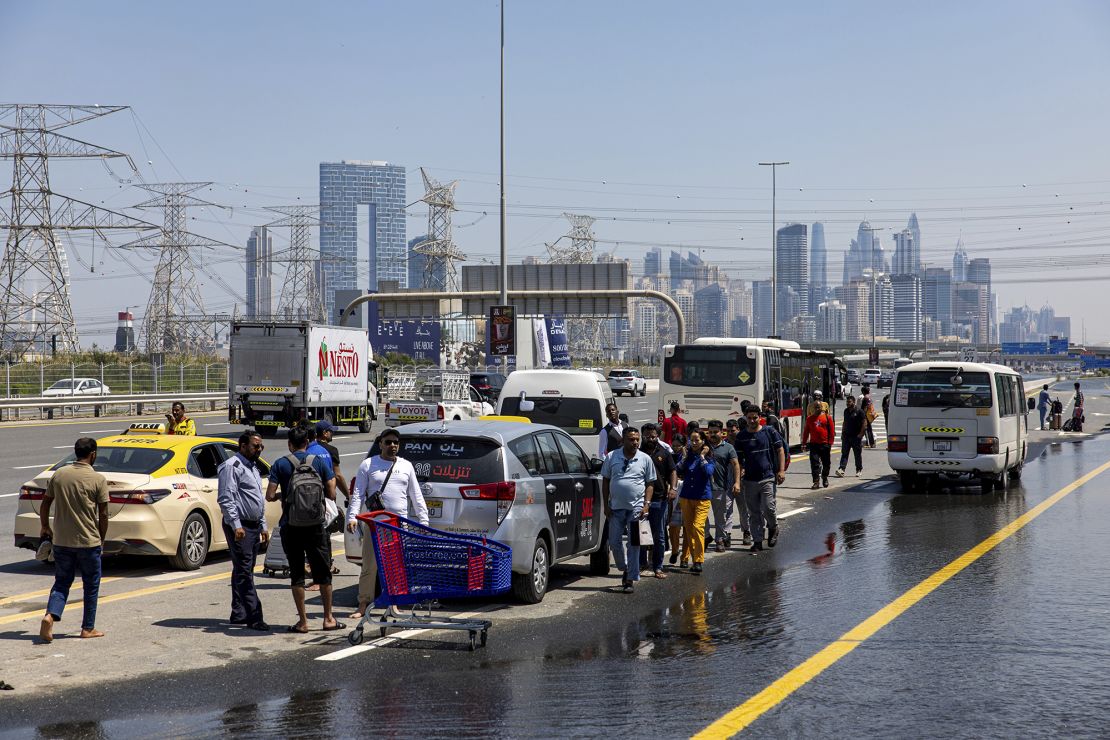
<point x="851" y="444"/>
<point x="723" y="504"/>
<point x="657" y="518"/>
<point x="759" y="496"/>
<point x="67" y="561"/>
<point x="1044" y="412"/>
<point x="245" y="606"/>
<point x="620" y="523"/>
<point x="820" y="461"/>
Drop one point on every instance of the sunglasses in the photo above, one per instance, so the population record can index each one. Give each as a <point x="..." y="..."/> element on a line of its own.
<point x="390" y="442"/>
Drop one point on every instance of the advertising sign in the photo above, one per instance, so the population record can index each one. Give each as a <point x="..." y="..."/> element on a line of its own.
<point x="557" y="341"/>
<point x="420" y="340"/>
<point x="543" y="348"/>
<point x="502" y="322"/>
<point x="873" y="356"/>
<point x="337" y="363"/>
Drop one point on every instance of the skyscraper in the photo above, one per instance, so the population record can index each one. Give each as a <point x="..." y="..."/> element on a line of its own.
<point x="344" y="188"/>
<point x="761" y="308"/>
<point x="915" y="229"/>
<point x="653" y="262"/>
<point x="711" y="311"/>
<point x="907" y="293"/>
<point x="907" y="254"/>
<point x="971" y="311"/>
<point x="865" y="253"/>
<point x="938" y="297"/>
<point x="832" y="322"/>
<point x="818" y="265"/>
<point x="792" y="256"/>
<point x="418" y="262"/>
<point x="979" y="272"/>
<point x="959" y="263"/>
<point x="260" y="270"/>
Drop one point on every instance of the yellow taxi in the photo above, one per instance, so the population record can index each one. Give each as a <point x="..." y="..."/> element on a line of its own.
<point x="162" y="495"/>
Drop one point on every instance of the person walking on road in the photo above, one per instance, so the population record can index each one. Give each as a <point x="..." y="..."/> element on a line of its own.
<point x="666" y="483"/>
<point x="243" y="506"/>
<point x="79" y="496"/>
<point x="770" y="418"/>
<point x="628" y="478"/>
<point x="851" y="437"/>
<point x="305" y="481"/>
<point x="674" y="424"/>
<point x="697" y="492"/>
<point x="1043" y="402"/>
<point x="674" y="513"/>
<point x="1077" y="409"/>
<point x="819" y="434"/>
<point x="611" y="435"/>
<point x="320" y="436"/>
<point x="764" y="465"/>
<point x="178" y="423"/>
<point x="868" y="409"/>
<point x="393" y="478"/>
<point x="726" y="487"/>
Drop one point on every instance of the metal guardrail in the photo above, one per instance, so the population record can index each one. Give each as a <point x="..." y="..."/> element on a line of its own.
<point x="99" y="403"/>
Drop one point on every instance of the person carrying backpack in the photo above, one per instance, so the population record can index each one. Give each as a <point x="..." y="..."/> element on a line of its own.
<point x="819" y="434"/>
<point x="763" y="465"/>
<point x="305" y="481"/>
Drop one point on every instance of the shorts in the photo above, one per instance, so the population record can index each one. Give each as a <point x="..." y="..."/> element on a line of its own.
<point x="311" y="543"/>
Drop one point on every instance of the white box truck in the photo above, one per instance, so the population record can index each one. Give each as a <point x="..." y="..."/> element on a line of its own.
<point x="282" y="373"/>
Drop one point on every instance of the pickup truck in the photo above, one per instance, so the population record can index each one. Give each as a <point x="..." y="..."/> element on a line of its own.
<point x="448" y="399"/>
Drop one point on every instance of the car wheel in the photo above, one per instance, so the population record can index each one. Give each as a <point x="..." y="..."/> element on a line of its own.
<point x="1015" y="472"/>
<point x="530" y="587"/>
<point x="193" y="547"/>
<point x="908" y="479"/>
<point x="985" y="485"/>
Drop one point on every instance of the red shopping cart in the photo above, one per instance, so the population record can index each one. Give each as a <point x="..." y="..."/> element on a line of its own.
<point x="419" y="565"/>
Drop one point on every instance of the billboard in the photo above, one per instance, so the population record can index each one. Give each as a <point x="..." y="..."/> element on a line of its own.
<point x="502" y="323"/>
<point x="337" y="363"/>
<point x="1025" y="348"/>
<point x="557" y="341"/>
<point x="420" y="340"/>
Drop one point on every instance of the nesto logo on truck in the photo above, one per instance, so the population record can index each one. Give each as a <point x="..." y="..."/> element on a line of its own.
<point x="337" y="363"/>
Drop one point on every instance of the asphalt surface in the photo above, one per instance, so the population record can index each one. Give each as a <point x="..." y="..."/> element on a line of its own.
<point x="1013" y="645"/>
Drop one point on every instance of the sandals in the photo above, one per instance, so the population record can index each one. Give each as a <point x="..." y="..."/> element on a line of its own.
<point x="660" y="574"/>
<point x="293" y="628"/>
<point x="337" y="626"/>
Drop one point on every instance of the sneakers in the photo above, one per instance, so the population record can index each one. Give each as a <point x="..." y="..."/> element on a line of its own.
<point x="772" y="536"/>
<point x="840" y="472"/>
<point x="825" y="482"/>
<point x="720" y="547"/>
<point x="728" y="541"/>
<point x="859" y="473"/>
<point x="684" y="564"/>
<point x="757" y="546"/>
<point x="626" y="584"/>
<point x="747" y="538"/>
<point x="815" y="486"/>
<point x="696" y="569"/>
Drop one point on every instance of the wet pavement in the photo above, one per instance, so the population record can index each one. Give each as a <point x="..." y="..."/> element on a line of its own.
<point x="1015" y="645"/>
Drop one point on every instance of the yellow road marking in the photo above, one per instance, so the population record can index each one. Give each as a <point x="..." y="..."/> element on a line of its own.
<point x="44" y="592"/>
<point x="777" y="692"/>
<point x="105" y="420"/>
<point x="19" y="617"/>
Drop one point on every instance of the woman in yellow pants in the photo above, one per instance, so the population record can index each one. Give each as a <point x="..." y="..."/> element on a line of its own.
<point x="697" y="476"/>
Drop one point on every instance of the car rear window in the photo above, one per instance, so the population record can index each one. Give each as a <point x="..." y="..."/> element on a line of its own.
<point x="454" y="459"/>
<point x="572" y="415"/>
<point x="140" y="460"/>
<point x="619" y="373"/>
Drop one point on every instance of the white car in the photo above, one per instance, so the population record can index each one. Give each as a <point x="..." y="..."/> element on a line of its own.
<point x="871" y="377"/>
<point x="77" y="387"/>
<point x="627" y="381"/>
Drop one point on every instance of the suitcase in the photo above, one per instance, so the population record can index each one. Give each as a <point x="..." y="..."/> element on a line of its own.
<point x="1057" y="422"/>
<point x="275" y="565"/>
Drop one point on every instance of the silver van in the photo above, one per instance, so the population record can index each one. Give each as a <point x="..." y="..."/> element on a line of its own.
<point x="528" y="485"/>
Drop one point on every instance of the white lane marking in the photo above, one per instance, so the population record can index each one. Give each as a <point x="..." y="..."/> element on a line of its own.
<point x="64" y="447"/>
<point x="383" y="641"/>
<point x="351" y="454"/>
<point x="8" y="495"/>
<point x="221" y="424"/>
<point x="792" y="512"/>
<point x="28" y="467"/>
<point x="170" y="576"/>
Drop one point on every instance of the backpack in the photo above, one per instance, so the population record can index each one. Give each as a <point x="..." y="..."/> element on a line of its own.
<point x="304" y="494"/>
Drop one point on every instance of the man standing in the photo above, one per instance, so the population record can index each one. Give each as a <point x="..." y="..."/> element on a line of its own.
<point x="178" y="423"/>
<point x="243" y="506"/>
<point x="301" y="541"/>
<point x="610" y="436"/>
<point x="819" y="434"/>
<point x="80" y="525"/>
<point x="628" y="476"/>
<point x="771" y="419"/>
<point x="867" y="408"/>
<point x="323" y="446"/>
<point x="1077" y="409"/>
<point x="731" y="428"/>
<point x="666" y="482"/>
<point x="673" y="424"/>
<point x="851" y="437"/>
<point x="726" y="486"/>
<point x="764" y="465"/>
<point x="1042" y="403"/>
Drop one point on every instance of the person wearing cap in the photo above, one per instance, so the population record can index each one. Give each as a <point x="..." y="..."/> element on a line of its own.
<point x="817" y="405"/>
<point x="673" y="424"/>
<point x="322" y="447"/>
<point x="819" y="433"/>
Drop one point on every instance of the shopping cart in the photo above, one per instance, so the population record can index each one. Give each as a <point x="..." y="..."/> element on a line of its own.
<point x="418" y="565"/>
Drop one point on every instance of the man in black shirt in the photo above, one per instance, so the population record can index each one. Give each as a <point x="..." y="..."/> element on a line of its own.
<point x="667" y="478"/>
<point x="852" y="430"/>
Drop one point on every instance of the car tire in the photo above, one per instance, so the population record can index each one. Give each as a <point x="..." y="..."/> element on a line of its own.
<point x="1015" y="472"/>
<point x="986" y="485"/>
<point x="908" y="479"/>
<point x="530" y="587"/>
<point x="192" y="549"/>
<point x="364" y="426"/>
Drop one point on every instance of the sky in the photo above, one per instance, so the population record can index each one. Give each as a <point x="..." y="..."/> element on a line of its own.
<point x="987" y="119"/>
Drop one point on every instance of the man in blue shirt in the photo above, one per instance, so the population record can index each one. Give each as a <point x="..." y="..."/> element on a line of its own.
<point x="764" y="465"/>
<point x="628" y="477"/>
<point x="1042" y="403"/>
<point x="310" y="542"/>
<point x="243" y="506"/>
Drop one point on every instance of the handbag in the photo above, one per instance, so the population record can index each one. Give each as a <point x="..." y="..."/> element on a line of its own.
<point x="374" y="501"/>
<point x="645" y="538"/>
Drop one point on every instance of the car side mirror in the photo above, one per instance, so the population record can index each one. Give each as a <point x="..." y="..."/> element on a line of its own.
<point x="595" y="465"/>
<point x="525" y="404"/>
<point x="1031" y="403"/>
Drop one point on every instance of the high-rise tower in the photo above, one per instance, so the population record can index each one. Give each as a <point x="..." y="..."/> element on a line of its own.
<point x="260" y="271"/>
<point x="792" y="256"/>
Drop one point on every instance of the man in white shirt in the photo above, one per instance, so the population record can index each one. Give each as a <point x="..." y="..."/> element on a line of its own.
<point x="611" y="435"/>
<point x="395" y="478"/>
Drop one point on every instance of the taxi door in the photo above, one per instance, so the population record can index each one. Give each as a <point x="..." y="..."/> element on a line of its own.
<point x="202" y="484"/>
<point x="588" y="506"/>
<point x="560" y="498"/>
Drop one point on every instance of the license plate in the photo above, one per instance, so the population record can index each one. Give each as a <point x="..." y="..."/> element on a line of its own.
<point x="267" y="417"/>
<point x="942" y="445"/>
<point x="435" y="509"/>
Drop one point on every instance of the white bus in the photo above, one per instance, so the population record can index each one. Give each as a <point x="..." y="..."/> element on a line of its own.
<point x="712" y="377"/>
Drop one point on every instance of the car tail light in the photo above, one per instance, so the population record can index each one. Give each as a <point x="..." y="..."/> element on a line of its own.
<point x="897" y="443"/>
<point x="387" y="409"/>
<point x="30" y="493"/>
<point x="503" y="492"/>
<point x="138" y="497"/>
<point x="440" y="411"/>
<point x="986" y="445"/>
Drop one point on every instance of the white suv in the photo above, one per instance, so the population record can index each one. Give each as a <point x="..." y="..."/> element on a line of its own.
<point x="871" y="377"/>
<point x="627" y="381"/>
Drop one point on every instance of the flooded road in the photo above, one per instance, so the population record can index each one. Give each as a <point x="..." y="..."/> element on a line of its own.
<point x="1014" y="645"/>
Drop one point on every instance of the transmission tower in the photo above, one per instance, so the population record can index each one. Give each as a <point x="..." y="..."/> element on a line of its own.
<point x="301" y="297"/>
<point x="439" y="249"/>
<point x="35" y="309"/>
<point x="583" y="334"/>
<point x="175" y="316"/>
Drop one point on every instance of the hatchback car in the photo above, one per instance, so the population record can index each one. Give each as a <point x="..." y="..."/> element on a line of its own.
<point x="162" y="495"/>
<point x="77" y="387"/>
<point x="529" y="486"/>
<point x="627" y="381"/>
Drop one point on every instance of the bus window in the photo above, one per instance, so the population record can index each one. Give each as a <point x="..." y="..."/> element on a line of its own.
<point x="709" y="367"/>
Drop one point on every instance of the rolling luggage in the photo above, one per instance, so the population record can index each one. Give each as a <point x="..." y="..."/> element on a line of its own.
<point x="276" y="564"/>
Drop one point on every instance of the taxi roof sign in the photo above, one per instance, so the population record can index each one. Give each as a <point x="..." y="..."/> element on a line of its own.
<point x="506" y="417"/>
<point x="146" y="427"/>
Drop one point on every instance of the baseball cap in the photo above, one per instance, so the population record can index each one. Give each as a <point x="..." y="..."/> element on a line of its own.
<point x="324" y="426"/>
<point x="818" y="394"/>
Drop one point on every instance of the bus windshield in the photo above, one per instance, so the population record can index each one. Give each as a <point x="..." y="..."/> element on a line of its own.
<point x="709" y="367"/>
<point x="933" y="388"/>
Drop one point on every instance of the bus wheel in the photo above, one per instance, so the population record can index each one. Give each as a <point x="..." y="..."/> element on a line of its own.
<point x="908" y="479"/>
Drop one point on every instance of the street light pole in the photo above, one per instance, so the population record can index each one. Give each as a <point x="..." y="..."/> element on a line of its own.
<point x="504" y="254"/>
<point x="774" y="247"/>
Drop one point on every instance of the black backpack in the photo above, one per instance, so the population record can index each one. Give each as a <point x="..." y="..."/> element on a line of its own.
<point x="304" y="494"/>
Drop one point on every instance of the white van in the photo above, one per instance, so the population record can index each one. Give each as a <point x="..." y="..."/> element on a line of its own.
<point x="957" y="420"/>
<point x="573" y="400"/>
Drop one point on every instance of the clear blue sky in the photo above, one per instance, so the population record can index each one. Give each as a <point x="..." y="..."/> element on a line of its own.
<point x="649" y="115"/>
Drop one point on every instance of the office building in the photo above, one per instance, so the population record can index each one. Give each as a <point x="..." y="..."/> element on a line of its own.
<point x="692" y="272"/>
<point x="832" y="322"/>
<point x="907" y="254"/>
<point x="761" y="308"/>
<point x="856" y="297"/>
<point x="938" y="297"/>
<point x="418" y="265"/>
<point x="979" y="272"/>
<point x="792" y="268"/>
<point x="959" y="263"/>
<point x="348" y="190"/>
<point x="653" y="262"/>
<point x="907" y="306"/>
<point x="915" y="229"/>
<point x="260" y="271"/>
<point x="711" y="311"/>
<point x="865" y="253"/>
<point x="818" y="265"/>
<point x="971" y="312"/>
<point x="801" y="329"/>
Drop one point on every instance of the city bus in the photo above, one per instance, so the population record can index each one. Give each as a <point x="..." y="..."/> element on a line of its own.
<point x="713" y="376"/>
